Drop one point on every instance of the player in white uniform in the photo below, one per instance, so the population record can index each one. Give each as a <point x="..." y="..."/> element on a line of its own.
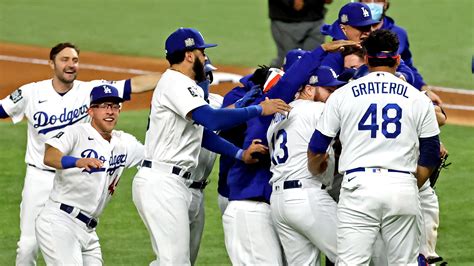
<point x="49" y="106"/>
<point x="89" y="159"/>
<point x="161" y="188"/>
<point x="386" y="127"/>
<point x="302" y="210"/>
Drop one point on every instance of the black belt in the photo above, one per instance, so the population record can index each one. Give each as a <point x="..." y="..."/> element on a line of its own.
<point x="90" y="222"/>
<point x="296" y="184"/>
<point x="47" y="170"/>
<point x="175" y="170"/>
<point x="362" y="169"/>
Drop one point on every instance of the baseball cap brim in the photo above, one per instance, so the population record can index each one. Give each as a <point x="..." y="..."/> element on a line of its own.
<point x="113" y="99"/>
<point x="206" y="45"/>
<point x="364" y="23"/>
<point x="333" y="83"/>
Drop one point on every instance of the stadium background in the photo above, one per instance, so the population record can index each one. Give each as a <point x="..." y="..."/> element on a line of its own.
<point x="442" y="41"/>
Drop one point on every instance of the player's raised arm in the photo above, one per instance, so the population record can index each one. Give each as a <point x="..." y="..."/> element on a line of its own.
<point x="145" y="82"/>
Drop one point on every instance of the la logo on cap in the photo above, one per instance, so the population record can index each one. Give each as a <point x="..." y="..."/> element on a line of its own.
<point x="107" y="89"/>
<point x="313" y="80"/>
<point x="333" y="73"/>
<point x="365" y="12"/>
<point x="189" y="42"/>
<point x="344" y="18"/>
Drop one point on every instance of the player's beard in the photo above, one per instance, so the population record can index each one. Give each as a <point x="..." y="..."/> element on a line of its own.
<point x="199" y="73"/>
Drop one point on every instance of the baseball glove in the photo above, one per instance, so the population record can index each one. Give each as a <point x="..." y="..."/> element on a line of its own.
<point x="443" y="164"/>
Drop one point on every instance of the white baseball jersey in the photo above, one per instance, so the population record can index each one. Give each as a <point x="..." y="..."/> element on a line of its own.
<point x="90" y="191"/>
<point x="206" y="158"/>
<point x="288" y="138"/>
<point x="377" y="115"/>
<point x="171" y="137"/>
<point x="48" y="112"/>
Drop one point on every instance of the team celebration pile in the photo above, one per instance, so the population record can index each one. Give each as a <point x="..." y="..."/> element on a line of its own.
<point x="334" y="149"/>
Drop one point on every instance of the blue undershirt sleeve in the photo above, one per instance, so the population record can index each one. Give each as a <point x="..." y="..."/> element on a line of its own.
<point x="3" y="114"/>
<point x="127" y="90"/>
<point x="319" y="142"/>
<point x="220" y="119"/>
<point x="429" y="152"/>
<point x="216" y="144"/>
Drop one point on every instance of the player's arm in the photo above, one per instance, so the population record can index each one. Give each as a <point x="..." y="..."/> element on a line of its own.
<point x="440" y="115"/>
<point x="317" y="153"/>
<point x="429" y="158"/>
<point x="214" y="143"/>
<point x="144" y="83"/>
<point x="56" y="159"/>
<point x="219" y="119"/>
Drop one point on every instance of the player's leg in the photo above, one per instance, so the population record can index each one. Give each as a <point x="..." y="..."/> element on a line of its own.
<point x="313" y="37"/>
<point x="284" y="36"/>
<point x="91" y="253"/>
<point x="222" y="202"/>
<point x="358" y="219"/>
<point x="250" y="236"/>
<point x="298" y="249"/>
<point x="400" y="222"/>
<point x="430" y="212"/>
<point x="379" y="255"/>
<point x="36" y="189"/>
<point x="196" y="226"/>
<point x="162" y="200"/>
<point x="57" y="237"/>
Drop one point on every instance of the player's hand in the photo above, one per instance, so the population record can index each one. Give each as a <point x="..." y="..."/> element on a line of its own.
<point x="324" y="164"/>
<point x="298" y="5"/>
<point x="271" y="106"/>
<point x="338" y="46"/>
<point x="433" y="96"/>
<point x="442" y="150"/>
<point x="255" y="147"/>
<point x="89" y="163"/>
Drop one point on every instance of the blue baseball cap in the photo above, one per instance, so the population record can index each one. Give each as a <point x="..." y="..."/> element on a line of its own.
<point x="325" y="77"/>
<point x="185" y="39"/>
<point x="356" y="15"/>
<point x="291" y="57"/>
<point x="105" y="93"/>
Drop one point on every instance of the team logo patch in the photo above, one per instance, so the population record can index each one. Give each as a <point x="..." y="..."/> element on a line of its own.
<point x="344" y="18"/>
<point x="313" y="80"/>
<point x="107" y="89"/>
<point x="365" y="13"/>
<point x="16" y="96"/>
<point x="192" y="91"/>
<point x="189" y="42"/>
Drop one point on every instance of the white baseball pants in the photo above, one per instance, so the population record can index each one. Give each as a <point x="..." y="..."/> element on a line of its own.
<point x="306" y="221"/>
<point x="250" y="236"/>
<point x="382" y="202"/>
<point x="36" y="189"/>
<point x="64" y="239"/>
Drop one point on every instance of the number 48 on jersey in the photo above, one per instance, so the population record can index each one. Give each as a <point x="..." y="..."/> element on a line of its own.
<point x="391" y="115"/>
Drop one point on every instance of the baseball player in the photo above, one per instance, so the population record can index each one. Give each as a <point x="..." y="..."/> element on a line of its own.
<point x="380" y="137"/>
<point x="250" y="236"/>
<point x="49" y="106"/>
<point x="354" y="23"/>
<point x="302" y="210"/>
<point x="89" y="159"/>
<point x="180" y="122"/>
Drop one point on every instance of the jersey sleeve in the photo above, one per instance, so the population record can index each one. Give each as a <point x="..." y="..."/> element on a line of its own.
<point x="16" y="103"/>
<point x="135" y="151"/>
<point x="64" y="140"/>
<point x="330" y="121"/>
<point x="182" y="99"/>
<point x="428" y="125"/>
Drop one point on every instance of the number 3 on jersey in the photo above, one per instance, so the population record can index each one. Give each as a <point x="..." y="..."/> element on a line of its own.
<point x="387" y="120"/>
<point x="282" y="149"/>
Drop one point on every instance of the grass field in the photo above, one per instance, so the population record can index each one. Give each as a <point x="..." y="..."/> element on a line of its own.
<point x="441" y="34"/>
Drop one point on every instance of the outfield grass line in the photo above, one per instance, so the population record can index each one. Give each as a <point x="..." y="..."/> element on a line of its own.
<point x="38" y="61"/>
<point x="458" y="107"/>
